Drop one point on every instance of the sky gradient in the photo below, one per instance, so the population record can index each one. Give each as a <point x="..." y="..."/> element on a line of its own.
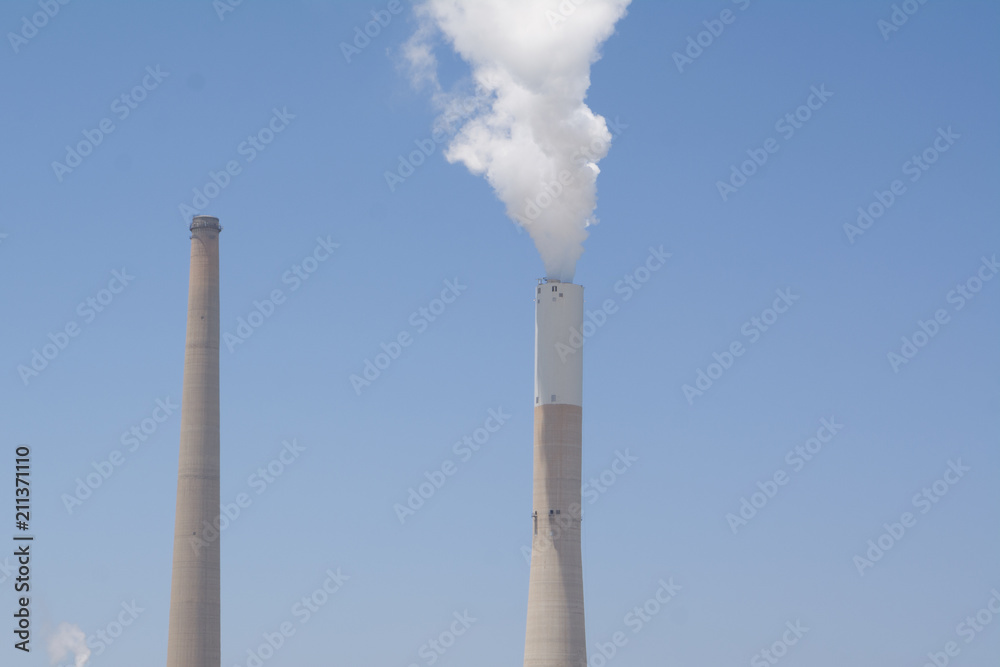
<point x="210" y="83"/>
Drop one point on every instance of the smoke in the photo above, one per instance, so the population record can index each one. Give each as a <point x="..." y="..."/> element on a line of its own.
<point x="67" y="639"/>
<point x="532" y="135"/>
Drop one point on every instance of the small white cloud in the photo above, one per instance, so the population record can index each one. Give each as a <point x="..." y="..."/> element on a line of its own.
<point x="69" y="638"/>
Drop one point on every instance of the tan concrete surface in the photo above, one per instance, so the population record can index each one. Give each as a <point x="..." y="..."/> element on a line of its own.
<point x="555" y="634"/>
<point x="194" y="634"/>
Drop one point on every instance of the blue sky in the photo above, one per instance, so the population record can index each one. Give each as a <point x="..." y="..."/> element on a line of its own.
<point x="343" y="125"/>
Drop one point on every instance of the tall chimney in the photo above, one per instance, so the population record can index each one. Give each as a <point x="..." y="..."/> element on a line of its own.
<point x="555" y="634"/>
<point x="194" y="636"/>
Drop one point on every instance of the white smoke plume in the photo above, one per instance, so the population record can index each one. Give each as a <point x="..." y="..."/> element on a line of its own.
<point x="532" y="135"/>
<point x="69" y="638"/>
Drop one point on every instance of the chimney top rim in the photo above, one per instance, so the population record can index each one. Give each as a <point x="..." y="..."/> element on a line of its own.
<point x="205" y="222"/>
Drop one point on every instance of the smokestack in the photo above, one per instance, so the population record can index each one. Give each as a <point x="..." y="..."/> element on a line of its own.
<point x="555" y="634"/>
<point x="194" y="636"/>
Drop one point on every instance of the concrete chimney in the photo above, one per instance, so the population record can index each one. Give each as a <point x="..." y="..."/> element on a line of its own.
<point x="194" y="636"/>
<point x="555" y="634"/>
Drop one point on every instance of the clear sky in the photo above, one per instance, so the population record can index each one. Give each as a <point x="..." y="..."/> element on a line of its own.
<point x="928" y="89"/>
